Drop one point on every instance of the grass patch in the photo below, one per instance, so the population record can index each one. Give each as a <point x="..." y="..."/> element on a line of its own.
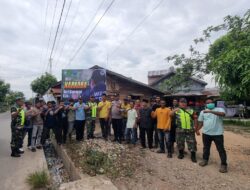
<point x="237" y="122"/>
<point x="38" y="179"/>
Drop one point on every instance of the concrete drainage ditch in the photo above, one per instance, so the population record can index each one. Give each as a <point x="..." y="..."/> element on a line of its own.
<point x="55" y="165"/>
<point x="66" y="176"/>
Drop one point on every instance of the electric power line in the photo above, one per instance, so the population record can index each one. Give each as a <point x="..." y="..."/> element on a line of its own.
<point x="58" y="25"/>
<point x="67" y="35"/>
<point x="51" y="28"/>
<point x="66" y="16"/>
<point x="88" y="36"/>
<point x="44" y="34"/>
<point x="136" y="27"/>
<point x="87" y="27"/>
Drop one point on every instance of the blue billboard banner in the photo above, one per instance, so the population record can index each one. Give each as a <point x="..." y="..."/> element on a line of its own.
<point x="83" y="83"/>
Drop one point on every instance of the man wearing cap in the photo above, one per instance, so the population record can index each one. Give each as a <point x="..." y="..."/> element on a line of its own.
<point x="186" y="126"/>
<point x="17" y="124"/>
<point x="91" y="117"/>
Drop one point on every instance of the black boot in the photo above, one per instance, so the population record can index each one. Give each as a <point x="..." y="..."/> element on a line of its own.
<point x="181" y="154"/>
<point x="193" y="157"/>
<point x="15" y="154"/>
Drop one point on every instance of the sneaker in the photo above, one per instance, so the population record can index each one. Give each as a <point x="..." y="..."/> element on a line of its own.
<point x="33" y="149"/>
<point x="160" y="151"/>
<point x="203" y="163"/>
<point x="29" y="147"/>
<point x="16" y="155"/>
<point x="20" y="151"/>
<point x="223" y="169"/>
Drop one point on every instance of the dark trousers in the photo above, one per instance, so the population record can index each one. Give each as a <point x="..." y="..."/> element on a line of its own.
<point x="46" y="133"/>
<point x="155" y="134"/>
<point x="29" y="132"/>
<point x="219" y="143"/>
<point x="104" y="126"/>
<point x="164" y="140"/>
<point x="61" y="132"/>
<point x="16" y="139"/>
<point x="149" y="132"/>
<point x="80" y="126"/>
<point x="117" y="127"/>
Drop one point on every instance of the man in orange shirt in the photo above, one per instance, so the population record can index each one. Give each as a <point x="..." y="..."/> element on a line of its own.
<point x="163" y="125"/>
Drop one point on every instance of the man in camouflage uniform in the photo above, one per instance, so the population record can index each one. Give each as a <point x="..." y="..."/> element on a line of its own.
<point x="186" y="126"/>
<point x="17" y="124"/>
<point x="91" y="117"/>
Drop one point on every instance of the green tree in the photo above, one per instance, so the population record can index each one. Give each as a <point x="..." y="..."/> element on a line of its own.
<point x="228" y="58"/>
<point x="4" y="89"/>
<point x="43" y="83"/>
<point x="12" y="95"/>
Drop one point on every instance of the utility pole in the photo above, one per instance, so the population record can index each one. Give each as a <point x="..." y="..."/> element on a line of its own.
<point x="50" y="66"/>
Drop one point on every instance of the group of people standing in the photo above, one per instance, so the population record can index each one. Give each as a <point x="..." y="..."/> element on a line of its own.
<point x="158" y="125"/>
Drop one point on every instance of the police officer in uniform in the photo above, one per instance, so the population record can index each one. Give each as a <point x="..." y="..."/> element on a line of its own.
<point x="91" y="117"/>
<point x="186" y="126"/>
<point x="17" y="124"/>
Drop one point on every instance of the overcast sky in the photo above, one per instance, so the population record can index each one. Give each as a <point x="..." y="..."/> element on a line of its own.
<point x="170" y="29"/>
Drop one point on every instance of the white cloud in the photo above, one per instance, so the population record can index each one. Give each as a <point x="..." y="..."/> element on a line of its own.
<point x="170" y="29"/>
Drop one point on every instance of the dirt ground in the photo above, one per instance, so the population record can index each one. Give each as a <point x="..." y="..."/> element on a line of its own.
<point x="157" y="172"/>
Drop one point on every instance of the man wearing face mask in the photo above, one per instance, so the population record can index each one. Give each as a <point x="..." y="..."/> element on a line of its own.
<point x="211" y="121"/>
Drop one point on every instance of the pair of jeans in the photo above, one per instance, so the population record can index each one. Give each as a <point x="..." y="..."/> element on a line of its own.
<point x="219" y="143"/>
<point x="104" y="127"/>
<point x="164" y="140"/>
<point x="130" y="135"/>
<point x="117" y="127"/>
<point x="149" y="133"/>
<point x="124" y="124"/>
<point x="36" y="135"/>
<point x="29" y="132"/>
<point x="79" y="126"/>
<point x="70" y="127"/>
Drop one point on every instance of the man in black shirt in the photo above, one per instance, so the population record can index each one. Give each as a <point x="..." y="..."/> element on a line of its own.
<point x="154" y="121"/>
<point x="62" y="123"/>
<point x="173" y="126"/>
<point x="146" y="125"/>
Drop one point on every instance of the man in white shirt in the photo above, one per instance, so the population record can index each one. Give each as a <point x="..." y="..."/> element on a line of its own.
<point x="131" y="124"/>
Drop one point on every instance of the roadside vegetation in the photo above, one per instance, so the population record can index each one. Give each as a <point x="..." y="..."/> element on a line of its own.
<point x="38" y="180"/>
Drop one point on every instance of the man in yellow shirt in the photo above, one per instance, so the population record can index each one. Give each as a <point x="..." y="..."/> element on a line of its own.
<point x="162" y="114"/>
<point x="104" y="110"/>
